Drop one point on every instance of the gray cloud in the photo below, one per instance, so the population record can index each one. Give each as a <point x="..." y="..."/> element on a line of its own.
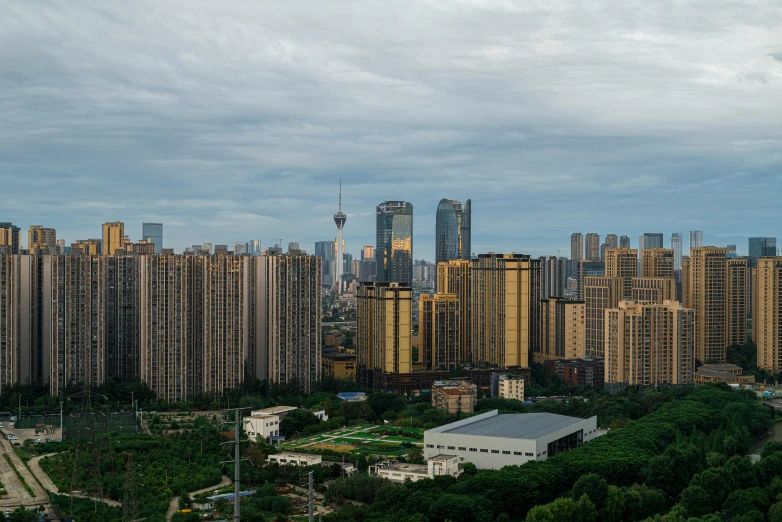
<point x="234" y="121"/>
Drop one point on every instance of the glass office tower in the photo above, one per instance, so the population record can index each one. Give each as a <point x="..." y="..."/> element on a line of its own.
<point x="394" y="249"/>
<point x="153" y="231"/>
<point x="452" y="232"/>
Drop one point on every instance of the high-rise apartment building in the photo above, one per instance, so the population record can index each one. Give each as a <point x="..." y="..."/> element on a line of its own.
<point x="612" y="241"/>
<point x="767" y="313"/>
<point x="454" y="277"/>
<point x="10" y="238"/>
<point x="576" y="247"/>
<point x="293" y="245"/>
<point x="41" y="240"/>
<point x="731" y="251"/>
<point x="696" y="239"/>
<point x="20" y="343"/>
<point x="622" y="263"/>
<point x="452" y="230"/>
<point x="657" y="262"/>
<point x="624" y="241"/>
<point x="384" y="316"/>
<point x="706" y="289"/>
<point x="367" y="252"/>
<point x="599" y="293"/>
<point x="504" y="309"/>
<point x="653" y="289"/>
<point x="255" y="248"/>
<point x="122" y="319"/>
<point x="592" y="247"/>
<point x="87" y="247"/>
<point x="761" y="247"/>
<point x="439" y="331"/>
<point x="586" y="269"/>
<point x="74" y="300"/>
<point x="113" y="237"/>
<point x="153" y="232"/>
<point x="738" y="295"/>
<point x="648" y="344"/>
<point x="563" y="329"/>
<point x="676" y="246"/>
<point x="553" y="276"/>
<point x="394" y="250"/>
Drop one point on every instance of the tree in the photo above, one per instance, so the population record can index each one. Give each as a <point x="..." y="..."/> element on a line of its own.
<point x="775" y="512"/>
<point x="469" y="469"/>
<point x="742" y="501"/>
<point x="20" y="514"/>
<point x="416" y="455"/>
<point x="593" y="486"/>
<point x="295" y="422"/>
<point x="695" y="500"/>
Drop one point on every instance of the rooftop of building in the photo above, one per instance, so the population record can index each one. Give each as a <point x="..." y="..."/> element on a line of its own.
<point x="512" y="426"/>
<point x="725" y="367"/>
<point x="274" y="410"/>
<point x="453" y="383"/>
<point x="301" y="456"/>
<point x="339" y="356"/>
<point x="407" y="467"/>
<point x="443" y="458"/>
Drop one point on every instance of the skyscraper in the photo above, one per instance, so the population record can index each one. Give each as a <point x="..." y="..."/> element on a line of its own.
<point x="624" y="242"/>
<point x="599" y="293"/>
<point x="504" y="309"/>
<point x="705" y="289"/>
<point x="384" y="317"/>
<point x="368" y="252"/>
<point x="622" y="263"/>
<point x="563" y="329"/>
<point x="761" y="247"/>
<point x="696" y="239"/>
<point x="153" y="232"/>
<point x="41" y="240"/>
<point x="676" y="246"/>
<point x="767" y="313"/>
<point x="592" y="247"/>
<point x="554" y="276"/>
<point x="452" y="231"/>
<point x="738" y="305"/>
<point x="453" y="277"/>
<point x="255" y="247"/>
<point x="325" y="250"/>
<point x="293" y="245"/>
<point x="576" y="248"/>
<point x="648" y="344"/>
<point x="612" y="241"/>
<point x="657" y="262"/>
<point x="113" y="237"/>
<point x="339" y="220"/>
<point x="394" y="250"/>
<point x="653" y="240"/>
<point x="439" y="324"/>
<point x="10" y="238"/>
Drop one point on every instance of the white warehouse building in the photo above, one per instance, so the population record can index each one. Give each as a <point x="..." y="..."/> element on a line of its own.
<point x="492" y="441"/>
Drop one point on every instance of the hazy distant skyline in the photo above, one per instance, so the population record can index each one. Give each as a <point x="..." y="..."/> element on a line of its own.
<point x="234" y="121"/>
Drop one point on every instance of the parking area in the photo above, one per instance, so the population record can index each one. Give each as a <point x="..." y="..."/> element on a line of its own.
<point x="18" y="436"/>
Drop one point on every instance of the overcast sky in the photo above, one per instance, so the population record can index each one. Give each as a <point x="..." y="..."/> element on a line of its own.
<point x="230" y="121"/>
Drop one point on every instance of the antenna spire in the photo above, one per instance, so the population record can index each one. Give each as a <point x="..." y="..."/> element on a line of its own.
<point x="340" y="195"/>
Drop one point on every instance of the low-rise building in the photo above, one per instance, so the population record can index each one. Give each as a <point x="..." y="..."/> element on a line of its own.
<point x="264" y="424"/>
<point x="578" y="372"/>
<point x="492" y="441"/>
<point x="436" y="466"/>
<point x="511" y="387"/>
<point x="722" y="372"/>
<point x="339" y="365"/>
<point x="454" y="396"/>
<point x="295" y="459"/>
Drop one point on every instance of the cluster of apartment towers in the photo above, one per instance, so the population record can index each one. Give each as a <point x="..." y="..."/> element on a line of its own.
<point x="186" y="324"/>
<point x="651" y="313"/>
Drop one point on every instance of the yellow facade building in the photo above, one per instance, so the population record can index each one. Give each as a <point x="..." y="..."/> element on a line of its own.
<point x="657" y="263"/>
<point x="42" y="240"/>
<point x="563" y="329"/>
<point x="453" y="277"/>
<point x="439" y="331"/>
<point x="113" y="237"/>
<point x="649" y="343"/>
<point x="767" y="313"/>
<point x="654" y="289"/>
<point x="384" y="317"/>
<point x="504" y="309"/>
<point x="738" y="302"/>
<point x="600" y="294"/>
<point x="338" y="365"/>
<point x="622" y="263"/>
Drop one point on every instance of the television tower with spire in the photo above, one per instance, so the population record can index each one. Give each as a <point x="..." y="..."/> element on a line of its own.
<point x="339" y="219"/>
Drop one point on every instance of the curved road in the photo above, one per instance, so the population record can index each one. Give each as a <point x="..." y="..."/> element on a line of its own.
<point x="47" y="483"/>
<point x="17" y="494"/>
<point x="174" y="504"/>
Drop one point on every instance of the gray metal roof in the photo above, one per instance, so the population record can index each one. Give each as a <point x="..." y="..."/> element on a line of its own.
<point x="515" y="426"/>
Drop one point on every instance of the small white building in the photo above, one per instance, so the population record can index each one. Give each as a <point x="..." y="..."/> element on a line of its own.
<point x="295" y="459"/>
<point x="493" y="441"/>
<point x="511" y="387"/>
<point x="434" y="467"/>
<point x="262" y="424"/>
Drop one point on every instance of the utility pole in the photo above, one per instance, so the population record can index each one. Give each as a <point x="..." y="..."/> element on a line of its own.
<point x="237" y="515"/>
<point x="311" y="518"/>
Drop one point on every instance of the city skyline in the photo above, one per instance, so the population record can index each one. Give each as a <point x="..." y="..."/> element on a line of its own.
<point x="228" y="138"/>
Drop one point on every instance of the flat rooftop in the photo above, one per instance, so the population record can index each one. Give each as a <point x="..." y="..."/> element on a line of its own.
<point x="274" y="410"/>
<point x="512" y="426"/>
<point x="407" y="467"/>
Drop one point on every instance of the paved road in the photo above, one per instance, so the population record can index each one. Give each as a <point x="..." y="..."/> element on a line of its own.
<point x="17" y="494"/>
<point x="47" y="483"/>
<point x="173" y="506"/>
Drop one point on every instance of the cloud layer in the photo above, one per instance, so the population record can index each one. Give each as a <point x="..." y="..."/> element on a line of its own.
<point x="230" y="121"/>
